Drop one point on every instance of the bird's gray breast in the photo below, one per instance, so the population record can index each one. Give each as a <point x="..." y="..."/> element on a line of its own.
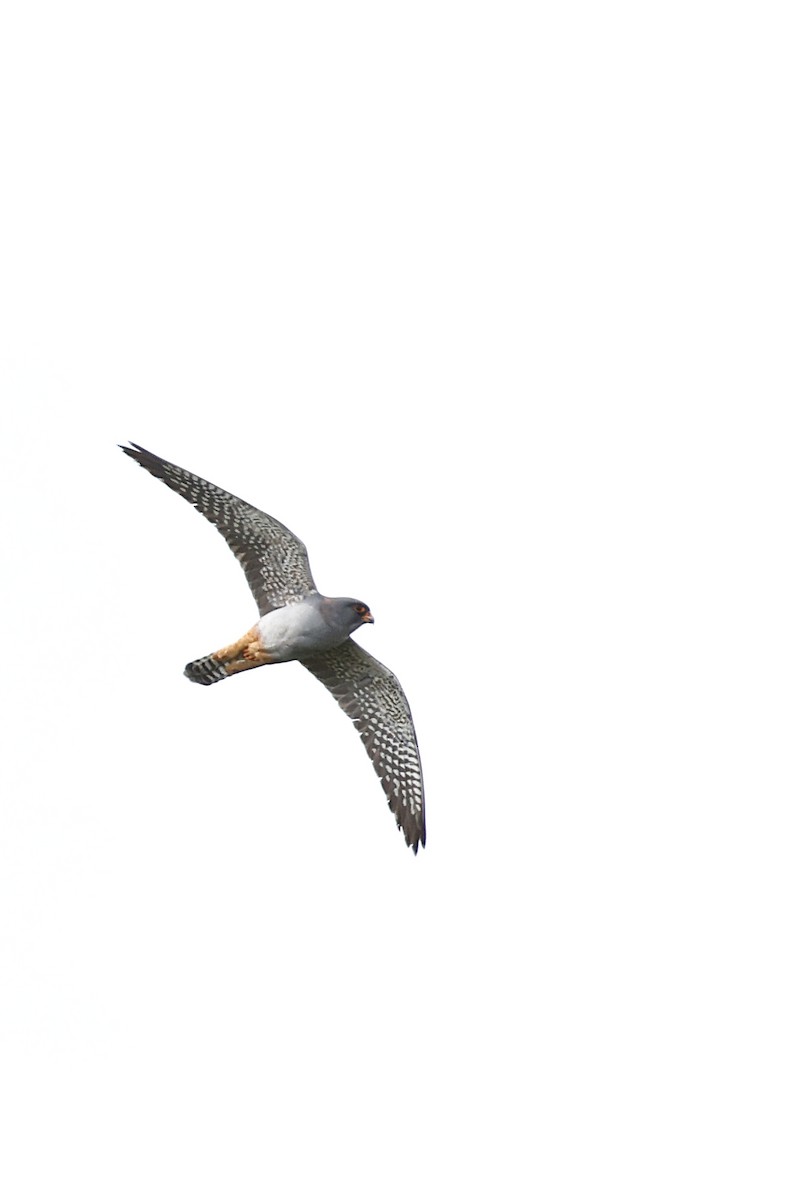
<point x="297" y="631"/>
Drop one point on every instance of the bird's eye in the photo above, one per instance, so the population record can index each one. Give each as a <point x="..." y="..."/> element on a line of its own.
<point x="360" y="609"/>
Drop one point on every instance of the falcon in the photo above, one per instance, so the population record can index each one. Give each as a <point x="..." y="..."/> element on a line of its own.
<point x="297" y="623"/>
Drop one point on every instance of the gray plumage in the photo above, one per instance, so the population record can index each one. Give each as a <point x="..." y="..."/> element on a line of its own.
<point x="375" y="702"/>
<point x="274" y="561"/>
<point x="298" y="623"/>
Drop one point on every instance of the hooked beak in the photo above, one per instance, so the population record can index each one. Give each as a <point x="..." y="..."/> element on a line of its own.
<point x="368" y="618"/>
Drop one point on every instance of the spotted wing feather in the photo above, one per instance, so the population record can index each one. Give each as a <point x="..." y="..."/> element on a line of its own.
<point x="375" y="702"/>
<point x="274" y="560"/>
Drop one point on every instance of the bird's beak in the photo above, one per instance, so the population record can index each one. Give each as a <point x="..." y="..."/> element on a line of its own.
<point x="368" y="618"/>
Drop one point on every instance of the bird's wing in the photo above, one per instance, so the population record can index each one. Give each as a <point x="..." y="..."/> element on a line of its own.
<point x="274" y="560"/>
<point x="375" y="702"/>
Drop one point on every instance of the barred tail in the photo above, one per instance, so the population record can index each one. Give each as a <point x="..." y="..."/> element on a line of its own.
<point x="205" y="670"/>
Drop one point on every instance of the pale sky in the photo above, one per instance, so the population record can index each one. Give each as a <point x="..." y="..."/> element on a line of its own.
<point x="496" y="307"/>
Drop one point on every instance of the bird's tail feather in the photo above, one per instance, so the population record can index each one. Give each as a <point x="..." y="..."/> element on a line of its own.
<point x="205" y="670"/>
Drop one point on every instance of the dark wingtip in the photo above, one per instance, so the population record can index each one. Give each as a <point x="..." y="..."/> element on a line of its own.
<point x="134" y="451"/>
<point x="151" y="462"/>
<point x="414" y="841"/>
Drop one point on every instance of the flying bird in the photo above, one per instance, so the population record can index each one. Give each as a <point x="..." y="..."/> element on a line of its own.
<point x="297" y="623"/>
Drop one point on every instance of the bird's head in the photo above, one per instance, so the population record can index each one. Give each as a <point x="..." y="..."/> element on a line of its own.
<point x="353" y="613"/>
<point x="361" y="614"/>
<point x="347" y="614"/>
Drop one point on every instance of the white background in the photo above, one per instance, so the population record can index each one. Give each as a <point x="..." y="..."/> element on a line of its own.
<point x="497" y="307"/>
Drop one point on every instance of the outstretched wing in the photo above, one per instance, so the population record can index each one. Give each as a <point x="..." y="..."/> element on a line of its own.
<point x="274" y="560"/>
<point x="375" y="702"/>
